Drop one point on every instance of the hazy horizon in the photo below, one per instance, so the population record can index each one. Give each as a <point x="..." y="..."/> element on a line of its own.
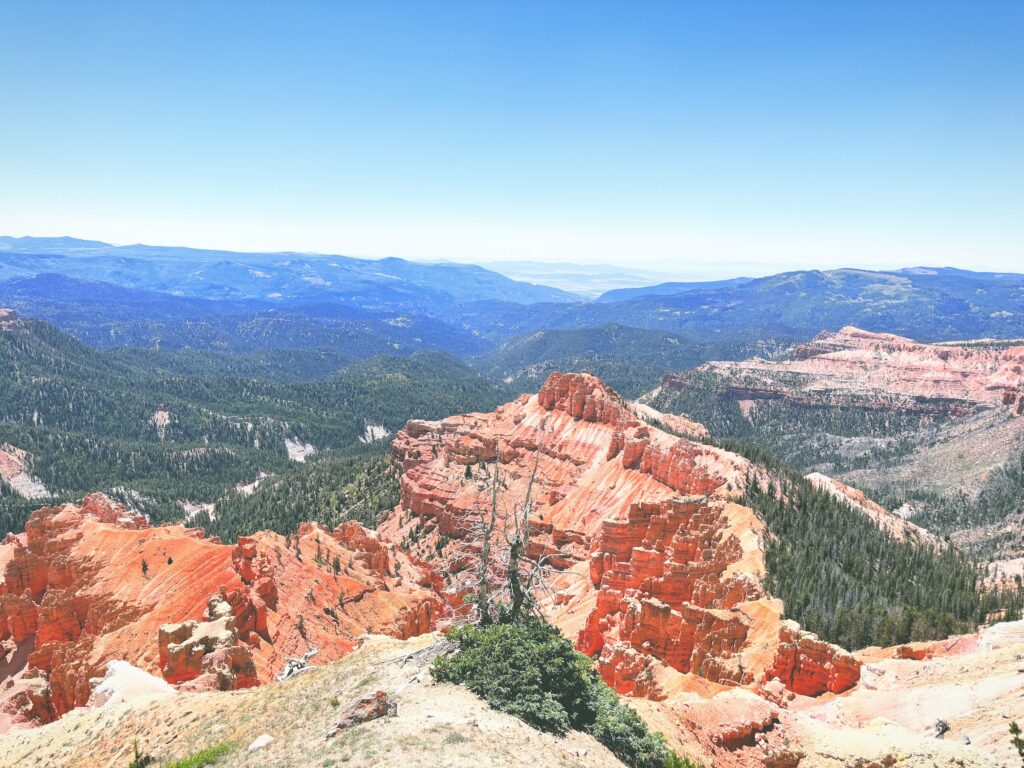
<point x="564" y="275"/>
<point x="681" y="138"/>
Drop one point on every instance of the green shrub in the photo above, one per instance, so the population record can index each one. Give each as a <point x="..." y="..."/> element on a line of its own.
<point x="622" y="730"/>
<point x="203" y="757"/>
<point x="1017" y="741"/>
<point x="529" y="670"/>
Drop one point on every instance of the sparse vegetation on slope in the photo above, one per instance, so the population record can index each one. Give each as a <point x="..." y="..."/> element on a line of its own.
<point x="204" y="757"/>
<point x="1001" y="498"/>
<point x="843" y="578"/>
<point x="531" y="671"/>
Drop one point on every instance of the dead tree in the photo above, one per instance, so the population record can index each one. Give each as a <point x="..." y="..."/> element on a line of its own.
<point x="518" y="540"/>
<point x="507" y="582"/>
<point x="488" y="522"/>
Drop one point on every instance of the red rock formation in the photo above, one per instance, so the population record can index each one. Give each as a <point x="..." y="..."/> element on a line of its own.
<point x="878" y="369"/>
<point x="660" y="572"/>
<point x="370" y="551"/>
<point x="663" y="591"/>
<point x="808" y="666"/>
<point x="208" y="655"/>
<point x="75" y="595"/>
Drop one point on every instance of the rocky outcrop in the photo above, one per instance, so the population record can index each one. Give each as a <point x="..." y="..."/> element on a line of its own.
<point x="207" y="654"/>
<point x="659" y="571"/>
<point x="369" y="707"/>
<point x="808" y="666"/>
<point x="15" y="475"/>
<point x="90" y="583"/>
<point x="676" y="423"/>
<point x="19" y="617"/>
<point x="370" y="551"/>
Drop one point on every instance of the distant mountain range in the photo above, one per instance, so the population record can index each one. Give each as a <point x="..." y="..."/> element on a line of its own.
<point x="927" y="304"/>
<point x="106" y="315"/>
<point x="669" y="289"/>
<point x="270" y="277"/>
<point x="174" y="298"/>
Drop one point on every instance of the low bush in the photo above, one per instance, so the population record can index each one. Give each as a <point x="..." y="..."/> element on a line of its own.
<point x="203" y="757"/>
<point x="529" y="670"/>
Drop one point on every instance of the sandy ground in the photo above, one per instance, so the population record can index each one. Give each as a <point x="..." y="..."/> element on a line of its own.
<point x="977" y="689"/>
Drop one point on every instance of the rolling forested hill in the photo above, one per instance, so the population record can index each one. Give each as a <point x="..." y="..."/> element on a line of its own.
<point x="168" y="441"/>
<point x="630" y="360"/>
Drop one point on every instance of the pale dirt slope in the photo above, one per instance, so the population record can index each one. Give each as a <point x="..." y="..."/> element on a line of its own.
<point x="436" y="725"/>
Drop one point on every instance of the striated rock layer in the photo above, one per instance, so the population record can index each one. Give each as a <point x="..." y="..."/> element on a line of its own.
<point x="90" y="583"/>
<point x="660" y="572"/>
<point x="852" y="365"/>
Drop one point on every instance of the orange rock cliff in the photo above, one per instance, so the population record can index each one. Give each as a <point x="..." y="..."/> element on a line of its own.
<point x="661" y="572"/>
<point x="90" y="583"/>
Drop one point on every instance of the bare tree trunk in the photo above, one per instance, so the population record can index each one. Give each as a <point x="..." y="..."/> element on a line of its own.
<point x="483" y="577"/>
<point x="517" y="550"/>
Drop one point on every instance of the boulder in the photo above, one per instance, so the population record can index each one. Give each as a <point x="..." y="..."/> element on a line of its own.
<point x="368" y="707"/>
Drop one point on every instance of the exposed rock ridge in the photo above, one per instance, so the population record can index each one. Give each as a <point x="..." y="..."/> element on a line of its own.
<point x="15" y="474"/>
<point x="891" y="523"/>
<point x="660" y="570"/>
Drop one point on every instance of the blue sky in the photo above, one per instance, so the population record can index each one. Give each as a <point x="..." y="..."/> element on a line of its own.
<point x="702" y="138"/>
